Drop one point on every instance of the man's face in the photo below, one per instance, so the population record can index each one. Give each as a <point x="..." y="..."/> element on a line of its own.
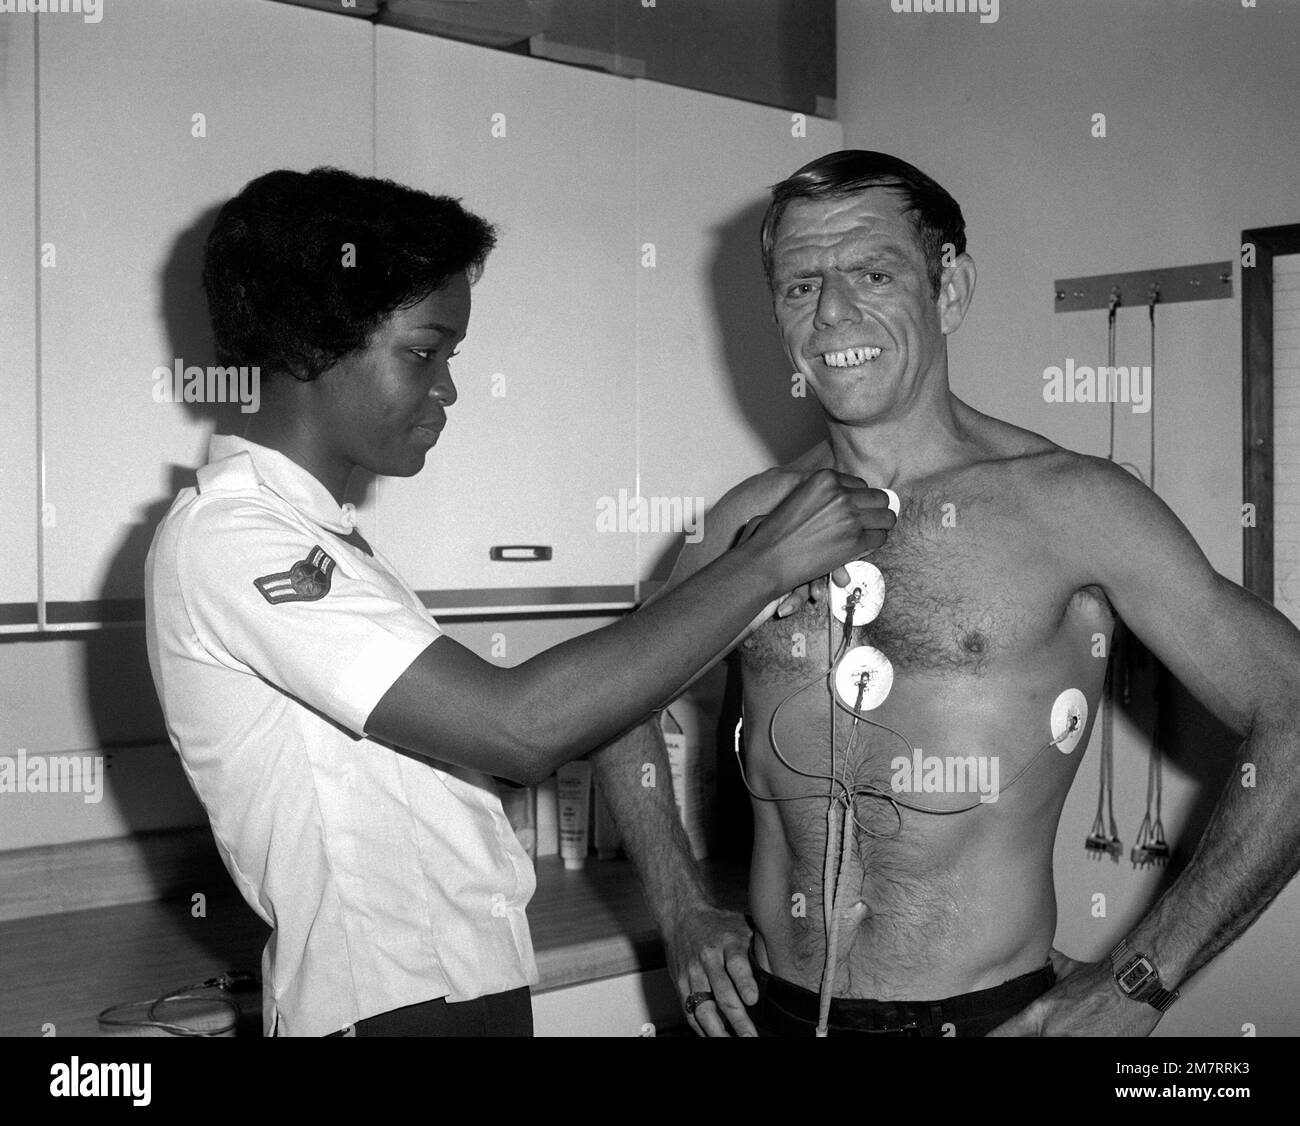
<point x="849" y="277"/>
<point x="385" y="404"/>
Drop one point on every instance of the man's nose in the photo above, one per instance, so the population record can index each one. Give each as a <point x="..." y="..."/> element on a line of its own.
<point x="835" y="304"/>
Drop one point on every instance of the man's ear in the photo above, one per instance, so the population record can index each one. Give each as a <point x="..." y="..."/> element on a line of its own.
<point x="956" y="289"/>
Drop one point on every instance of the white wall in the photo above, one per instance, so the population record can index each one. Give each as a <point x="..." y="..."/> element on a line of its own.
<point x="1201" y="100"/>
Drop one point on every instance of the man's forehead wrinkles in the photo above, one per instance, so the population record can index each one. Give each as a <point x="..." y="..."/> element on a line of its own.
<point x="855" y="248"/>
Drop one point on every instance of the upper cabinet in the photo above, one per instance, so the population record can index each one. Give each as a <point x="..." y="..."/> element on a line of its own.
<point x="543" y="435"/>
<point x="771" y="52"/>
<point x="149" y="120"/>
<point x="621" y="369"/>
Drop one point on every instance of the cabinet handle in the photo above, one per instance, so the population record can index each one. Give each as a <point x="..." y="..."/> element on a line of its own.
<point x="520" y="553"/>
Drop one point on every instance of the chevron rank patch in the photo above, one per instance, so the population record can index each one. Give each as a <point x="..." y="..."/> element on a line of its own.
<point x="308" y="580"/>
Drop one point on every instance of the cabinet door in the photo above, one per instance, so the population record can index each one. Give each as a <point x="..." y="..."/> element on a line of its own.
<point x="715" y="402"/>
<point x="20" y="513"/>
<point x="542" y="438"/>
<point x="130" y="179"/>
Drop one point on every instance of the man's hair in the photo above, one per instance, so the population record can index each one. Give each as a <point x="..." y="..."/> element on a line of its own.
<point x="302" y="267"/>
<point x="933" y="212"/>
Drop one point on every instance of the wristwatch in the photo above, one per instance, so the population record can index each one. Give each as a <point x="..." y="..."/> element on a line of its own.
<point x="1138" y="978"/>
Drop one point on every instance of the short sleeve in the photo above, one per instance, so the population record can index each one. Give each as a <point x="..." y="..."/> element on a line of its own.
<point x="264" y="594"/>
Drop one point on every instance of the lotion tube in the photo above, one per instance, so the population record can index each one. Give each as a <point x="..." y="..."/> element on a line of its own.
<point x="573" y="788"/>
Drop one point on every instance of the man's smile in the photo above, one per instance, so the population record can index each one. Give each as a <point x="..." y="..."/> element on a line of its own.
<point x="850" y="357"/>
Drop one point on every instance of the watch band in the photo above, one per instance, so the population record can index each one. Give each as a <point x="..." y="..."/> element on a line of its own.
<point x="1125" y="962"/>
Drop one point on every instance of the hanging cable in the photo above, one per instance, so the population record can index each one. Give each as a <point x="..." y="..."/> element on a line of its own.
<point x="1151" y="848"/>
<point x="1110" y="362"/>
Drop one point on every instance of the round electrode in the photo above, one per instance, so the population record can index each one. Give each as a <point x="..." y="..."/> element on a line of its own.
<point x="864" y="669"/>
<point x="1069" y="719"/>
<point x="894" y="503"/>
<point x="866" y="586"/>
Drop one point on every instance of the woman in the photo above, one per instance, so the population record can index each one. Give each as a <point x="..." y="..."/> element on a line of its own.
<point x="339" y="741"/>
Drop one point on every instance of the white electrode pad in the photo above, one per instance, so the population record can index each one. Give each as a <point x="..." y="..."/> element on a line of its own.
<point x="868" y="583"/>
<point x="859" y="663"/>
<point x="1070" y="705"/>
<point x="893" y="499"/>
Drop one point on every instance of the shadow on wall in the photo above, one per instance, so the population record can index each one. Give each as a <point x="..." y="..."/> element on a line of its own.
<point x="756" y="363"/>
<point x="755" y="367"/>
<point x="121" y="699"/>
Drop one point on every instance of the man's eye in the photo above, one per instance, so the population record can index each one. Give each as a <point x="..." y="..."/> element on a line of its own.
<point x="800" y="289"/>
<point x="872" y="275"/>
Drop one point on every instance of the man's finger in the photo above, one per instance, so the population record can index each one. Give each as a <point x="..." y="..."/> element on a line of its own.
<point x="743" y="976"/>
<point x="728" y="1000"/>
<point x="707" y="1014"/>
<point x="710" y="1018"/>
<point x="739" y="991"/>
<point x="684" y="989"/>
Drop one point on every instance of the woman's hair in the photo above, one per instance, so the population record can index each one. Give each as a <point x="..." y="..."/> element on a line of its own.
<point x="301" y="267"/>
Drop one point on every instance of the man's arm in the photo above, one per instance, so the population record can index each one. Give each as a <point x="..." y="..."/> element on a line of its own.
<point x="1239" y="657"/>
<point x="708" y="949"/>
<point x="521" y="723"/>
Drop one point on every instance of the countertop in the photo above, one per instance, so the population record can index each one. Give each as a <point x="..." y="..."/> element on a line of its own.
<point x="63" y="969"/>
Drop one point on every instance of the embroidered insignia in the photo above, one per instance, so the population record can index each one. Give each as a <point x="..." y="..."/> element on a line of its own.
<point x="308" y="580"/>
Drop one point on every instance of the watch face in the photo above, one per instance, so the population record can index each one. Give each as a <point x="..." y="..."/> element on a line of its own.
<point x="1135" y="973"/>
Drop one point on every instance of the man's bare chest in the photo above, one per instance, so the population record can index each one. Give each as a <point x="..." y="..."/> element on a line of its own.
<point x="965" y="585"/>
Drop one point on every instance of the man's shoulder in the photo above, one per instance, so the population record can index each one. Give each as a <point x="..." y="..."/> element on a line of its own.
<point x="1067" y="490"/>
<point x="773" y="484"/>
<point x="758" y="494"/>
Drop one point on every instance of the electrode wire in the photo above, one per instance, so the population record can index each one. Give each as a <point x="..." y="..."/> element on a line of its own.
<point x="865" y="789"/>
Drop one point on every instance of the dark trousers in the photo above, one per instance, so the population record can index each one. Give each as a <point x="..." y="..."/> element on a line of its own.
<point x="497" y="1014"/>
<point x="786" y="1009"/>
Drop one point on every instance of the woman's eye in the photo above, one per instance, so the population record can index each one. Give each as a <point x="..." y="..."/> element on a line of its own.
<point x="423" y="353"/>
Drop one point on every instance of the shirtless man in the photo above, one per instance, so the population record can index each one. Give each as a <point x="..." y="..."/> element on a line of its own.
<point x="1010" y="558"/>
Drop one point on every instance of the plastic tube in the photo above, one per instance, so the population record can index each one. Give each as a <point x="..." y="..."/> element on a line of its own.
<point x="573" y="789"/>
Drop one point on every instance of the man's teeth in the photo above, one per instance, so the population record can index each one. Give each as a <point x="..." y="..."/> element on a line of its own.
<point x="851" y="357"/>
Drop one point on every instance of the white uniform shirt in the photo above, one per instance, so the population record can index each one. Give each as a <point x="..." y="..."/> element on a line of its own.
<point x="389" y="881"/>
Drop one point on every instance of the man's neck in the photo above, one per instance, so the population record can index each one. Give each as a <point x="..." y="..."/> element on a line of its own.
<point x="899" y="450"/>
